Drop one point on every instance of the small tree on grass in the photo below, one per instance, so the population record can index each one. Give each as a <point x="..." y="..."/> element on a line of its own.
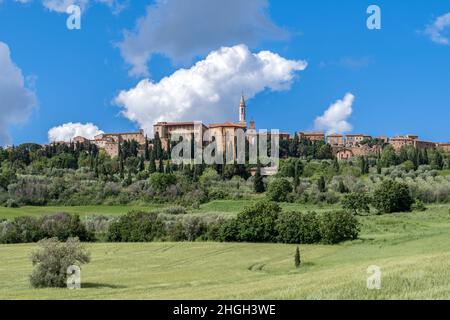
<point x="392" y="196"/>
<point x="52" y="260"/>
<point x="297" y="257"/>
<point x="356" y="202"/>
<point x="278" y="190"/>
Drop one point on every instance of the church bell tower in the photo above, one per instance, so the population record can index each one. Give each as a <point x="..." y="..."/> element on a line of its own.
<point x="242" y="110"/>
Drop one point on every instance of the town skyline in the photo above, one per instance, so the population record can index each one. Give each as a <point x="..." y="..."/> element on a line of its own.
<point x="114" y="74"/>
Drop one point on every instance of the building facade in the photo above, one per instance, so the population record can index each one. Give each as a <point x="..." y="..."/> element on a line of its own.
<point x="312" y="136"/>
<point x="335" y="140"/>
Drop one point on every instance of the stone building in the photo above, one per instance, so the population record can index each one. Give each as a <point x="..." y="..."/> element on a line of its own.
<point x="444" y="146"/>
<point x="80" y="140"/>
<point x="110" y="141"/>
<point x="335" y="140"/>
<point x="312" y="136"/>
<point x="410" y="140"/>
<point x="166" y="130"/>
<point x="345" y="153"/>
<point x="352" y="140"/>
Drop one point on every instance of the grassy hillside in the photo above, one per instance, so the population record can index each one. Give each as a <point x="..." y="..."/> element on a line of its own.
<point x="411" y="249"/>
<point x="81" y="210"/>
<point x="220" y="207"/>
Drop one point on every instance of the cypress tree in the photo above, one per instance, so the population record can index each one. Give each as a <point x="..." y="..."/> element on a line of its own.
<point x="146" y="150"/>
<point x="321" y="184"/>
<point x="258" y="183"/>
<point x="152" y="165"/>
<point x="297" y="258"/>
<point x="161" y="166"/>
<point x="336" y="167"/>
<point x="379" y="166"/>
<point x="128" y="181"/>
<point x="141" y="164"/>
<point x="426" y="159"/>
<point x="121" y="167"/>
<point x="296" y="176"/>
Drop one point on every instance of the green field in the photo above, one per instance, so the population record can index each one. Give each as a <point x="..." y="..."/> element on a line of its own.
<point x="81" y="210"/>
<point x="218" y="207"/>
<point x="412" y="250"/>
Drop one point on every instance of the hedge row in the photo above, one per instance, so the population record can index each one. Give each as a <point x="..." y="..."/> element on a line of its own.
<point x="33" y="229"/>
<point x="261" y="222"/>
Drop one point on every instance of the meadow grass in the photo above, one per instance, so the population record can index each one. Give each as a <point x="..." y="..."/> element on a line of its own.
<point x="83" y="211"/>
<point x="412" y="250"/>
<point x="217" y="207"/>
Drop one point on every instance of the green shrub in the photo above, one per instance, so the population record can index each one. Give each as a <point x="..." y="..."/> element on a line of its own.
<point x="356" y="202"/>
<point x="32" y="229"/>
<point x="64" y="226"/>
<point x="52" y="260"/>
<point x="392" y="196"/>
<point x="229" y="231"/>
<point x="297" y="227"/>
<point x="10" y="203"/>
<point x="20" y="230"/>
<point x="256" y="223"/>
<point x="418" y="206"/>
<point x="136" y="226"/>
<point x="194" y="227"/>
<point x="279" y="190"/>
<point x="161" y="181"/>
<point x="175" y="232"/>
<point x="177" y="210"/>
<point x="338" y="226"/>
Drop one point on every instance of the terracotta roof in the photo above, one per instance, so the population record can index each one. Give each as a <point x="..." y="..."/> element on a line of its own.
<point x="357" y="135"/>
<point x="335" y="136"/>
<point x="228" y="125"/>
<point x="184" y="123"/>
<point x="119" y="134"/>
<point x="312" y="133"/>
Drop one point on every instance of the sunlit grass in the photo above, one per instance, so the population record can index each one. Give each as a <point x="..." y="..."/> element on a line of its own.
<point x="412" y="250"/>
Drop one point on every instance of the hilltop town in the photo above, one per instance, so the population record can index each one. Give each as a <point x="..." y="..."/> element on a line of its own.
<point x="343" y="146"/>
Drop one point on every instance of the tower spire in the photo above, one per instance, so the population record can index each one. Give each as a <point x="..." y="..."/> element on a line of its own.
<point x="242" y="109"/>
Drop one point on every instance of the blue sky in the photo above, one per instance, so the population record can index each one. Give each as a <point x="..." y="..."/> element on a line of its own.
<point x="398" y="75"/>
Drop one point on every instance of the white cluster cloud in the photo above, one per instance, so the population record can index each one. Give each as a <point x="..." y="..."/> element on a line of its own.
<point x="62" y="5"/>
<point x="183" y="30"/>
<point x="210" y="90"/>
<point x="16" y="100"/>
<point x="68" y="131"/>
<point x="335" y="118"/>
<point x="436" y="29"/>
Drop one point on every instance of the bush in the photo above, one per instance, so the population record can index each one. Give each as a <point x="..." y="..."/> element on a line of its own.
<point x="31" y="229"/>
<point x="338" y="226"/>
<point x="418" y="206"/>
<point x="177" y="210"/>
<point x="228" y="231"/>
<point x="161" y="181"/>
<point x="356" y="202"/>
<point x="20" y="230"/>
<point x="10" y="203"/>
<point x="136" y="226"/>
<point x="52" y="260"/>
<point x="99" y="225"/>
<point x="64" y="226"/>
<point x="297" y="227"/>
<point x="194" y="227"/>
<point x="256" y="223"/>
<point x="278" y="190"/>
<point x="392" y="196"/>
